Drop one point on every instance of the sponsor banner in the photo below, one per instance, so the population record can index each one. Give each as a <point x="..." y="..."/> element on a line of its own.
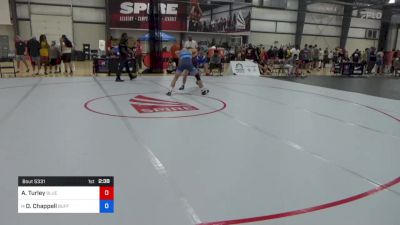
<point x="134" y="14"/>
<point x="223" y="20"/>
<point x="245" y="68"/>
<point x="347" y="69"/>
<point x="370" y="14"/>
<point x="358" y="69"/>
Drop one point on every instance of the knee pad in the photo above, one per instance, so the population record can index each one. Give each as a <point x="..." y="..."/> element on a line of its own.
<point x="198" y="77"/>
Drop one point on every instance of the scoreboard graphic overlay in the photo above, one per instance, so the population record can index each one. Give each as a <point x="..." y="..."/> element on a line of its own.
<point x="65" y="194"/>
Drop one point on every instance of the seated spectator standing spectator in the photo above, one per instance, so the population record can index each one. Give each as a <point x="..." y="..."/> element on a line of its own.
<point x="251" y="54"/>
<point x="216" y="62"/>
<point x="315" y="57"/>
<point x="265" y="68"/>
<point x="281" y="54"/>
<point x="356" y="56"/>
<point x="44" y="53"/>
<point x="166" y="56"/>
<point x="325" y="59"/>
<point x="20" y="50"/>
<point x="66" y="52"/>
<point x="291" y="65"/>
<point x="270" y="53"/>
<point x="33" y="50"/>
<point x="396" y="66"/>
<point x="371" y="60"/>
<point x="295" y="51"/>
<point x="200" y="61"/>
<point x="174" y="48"/>
<point x="138" y="56"/>
<point x="54" y="55"/>
<point x="379" y="62"/>
<point x="190" y="43"/>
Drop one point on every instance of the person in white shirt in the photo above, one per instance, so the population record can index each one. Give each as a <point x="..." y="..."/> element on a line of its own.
<point x="66" y="54"/>
<point x="295" y="51"/>
<point x="321" y="58"/>
<point x="190" y="43"/>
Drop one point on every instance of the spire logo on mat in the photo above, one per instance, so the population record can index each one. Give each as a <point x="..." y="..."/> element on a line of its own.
<point x="155" y="105"/>
<point x="144" y="104"/>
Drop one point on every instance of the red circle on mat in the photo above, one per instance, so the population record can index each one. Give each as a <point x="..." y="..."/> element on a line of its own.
<point x="201" y="113"/>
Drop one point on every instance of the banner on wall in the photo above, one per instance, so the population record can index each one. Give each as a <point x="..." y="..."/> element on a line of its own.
<point x="180" y="16"/>
<point x="222" y="21"/>
<point x="134" y="14"/>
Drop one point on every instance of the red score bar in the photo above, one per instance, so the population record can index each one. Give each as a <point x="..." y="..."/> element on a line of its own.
<point x="106" y="193"/>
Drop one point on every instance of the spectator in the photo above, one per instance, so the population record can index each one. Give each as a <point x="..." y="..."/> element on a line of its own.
<point x="396" y="66"/>
<point x="307" y="58"/>
<point x="371" y="60"/>
<point x="138" y="56"/>
<point x="166" y="56"/>
<point x="20" y="50"/>
<point x="216" y="62"/>
<point x="66" y="52"/>
<point x="34" y="53"/>
<point x="292" y="64"/>
<point x="325" y="59"/>
<point x="190" y="43"/>
<point x="330" y="56"/>
<point x="44" y="53"/>
<point x="320" y="58"/>
<point x="251" y="54"/>
<point x="379" y="62"/>
<point x="364" y="58"/>
<point x="315" y="56"/>
<point x="265" y="68"/>
<point x="200" y="61"/>
<point x="109" y="46"/>
<point x="54" y="55"/>
<point x="356" y="56"/>
<point x="295" y="51"/>
<point x="174" y="48"/>
<point x="281" y="54"/>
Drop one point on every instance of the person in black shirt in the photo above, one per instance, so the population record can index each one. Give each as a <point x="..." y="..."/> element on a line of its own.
<point x="124" y="56"/>
<point x="372" y="60"/>
<point x="34" y="53"/>
<point x="20" y="50"/>
<point x="356" y="56"/>
<point x="251" y="53"/>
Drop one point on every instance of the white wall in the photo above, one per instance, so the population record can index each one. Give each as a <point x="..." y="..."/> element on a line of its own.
<point x="81" y="36"/>
<point x="25" y="29"/>
<point x="361" y="44"/>
<point x="269" y="39"/>
<point x="398" y="39"/>
<point x="9" y="31"/>
<point x="5" y="12"/>
<point x="322" y="42"/>
<point x="52" y="26"/>
<point x="90" y="26"/>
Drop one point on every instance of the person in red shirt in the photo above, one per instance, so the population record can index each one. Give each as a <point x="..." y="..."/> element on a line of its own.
<point x="174" y="48"/>
<point x="166" y="55"/>
<point x="109" y="46"/>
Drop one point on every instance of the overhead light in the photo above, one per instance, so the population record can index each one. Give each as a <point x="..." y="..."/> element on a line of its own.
<point x="392" y="1"/>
